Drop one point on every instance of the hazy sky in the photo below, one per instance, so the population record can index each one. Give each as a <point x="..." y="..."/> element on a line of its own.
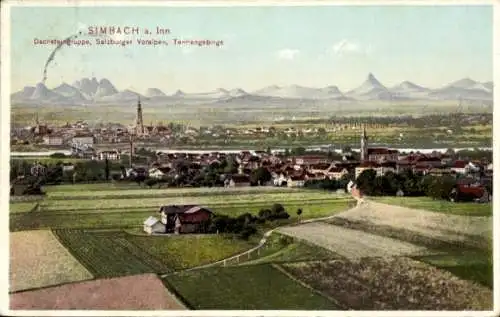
<point x="310" y="46"/>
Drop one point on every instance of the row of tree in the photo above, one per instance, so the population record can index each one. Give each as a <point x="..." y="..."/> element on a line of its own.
<point x="410" y="184"/>
<point x="245" y="225"/>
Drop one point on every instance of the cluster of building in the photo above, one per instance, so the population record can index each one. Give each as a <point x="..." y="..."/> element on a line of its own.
<point x="80" y="134"/>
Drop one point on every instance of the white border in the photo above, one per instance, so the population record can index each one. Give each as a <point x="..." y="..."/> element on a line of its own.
<point x="5" y="150"/>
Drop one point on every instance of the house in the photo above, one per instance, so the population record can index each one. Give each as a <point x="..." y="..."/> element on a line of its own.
<point x="319" y="168"/>
<point x="84" y="139"/>
<point x="159" y="172"/>
<point x="153" y="225"/>
<point x="137" y="171"/>
<point x="296" y="181"/>
<point x="469" y="193"/>
<point x="380" y="168"/>
<point x="279" y="179"/>
<point x="311" y="160"/>
<point x="240" y="180"/>
<point x="68" y="167"/>
<point x="110" y="155"/>
<point x="336" y="172"/>
<point x="185" y="218"/>
<point x="53" y="139"/>
<point x="459" y="167"/>
<point x="382" y="155"/>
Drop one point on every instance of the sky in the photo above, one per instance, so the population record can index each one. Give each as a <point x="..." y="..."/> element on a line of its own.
<point x="313" y="46"/>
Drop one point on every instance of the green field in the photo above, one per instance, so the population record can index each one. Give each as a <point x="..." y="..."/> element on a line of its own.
<point x="427" y="203"/>
<point x="116" y="253"/>
<point x="470" y="265"/>
<point x="182" y="252"/>
<point x="15" y="207"/>
<point x="49" y="160"/>
<point x="250" y="287"/>
<point x="280" y="249"/>
<point x="108" y="254"/>
<point x="103" y="206"/>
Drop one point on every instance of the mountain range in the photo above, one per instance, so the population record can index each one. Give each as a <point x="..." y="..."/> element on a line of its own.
<point x="91" y="91"/>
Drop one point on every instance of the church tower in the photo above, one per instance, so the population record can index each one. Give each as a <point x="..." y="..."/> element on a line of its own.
<point x="139" y="125"/>
<point x="364" y="145"/>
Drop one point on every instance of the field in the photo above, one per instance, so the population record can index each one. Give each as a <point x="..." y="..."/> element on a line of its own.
<point x="461" y="245"/>
<point x="427" y="203"/>
<point x="107" y="206"/>
<point x="117" y="253"/>
<point x="139" y="292"/>
<point x="373" y="256"/>
<point x="392" y="284"/>
<point x="37" y="259"/>
<point x="280" y="248"/>
<point x="351" y="243"/>
<point x="245" y="287"/>
<point x="470" y="231"/>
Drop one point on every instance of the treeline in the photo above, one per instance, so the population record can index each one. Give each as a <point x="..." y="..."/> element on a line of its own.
<point x="245" y="225"/>
<point x="412" y="184"/>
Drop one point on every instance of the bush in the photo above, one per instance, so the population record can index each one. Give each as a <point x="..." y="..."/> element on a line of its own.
<point x="265" y="213"/>
<point x="150" y="182"/>
<point x="58" y="155"/>
<point x="247" y="231"/>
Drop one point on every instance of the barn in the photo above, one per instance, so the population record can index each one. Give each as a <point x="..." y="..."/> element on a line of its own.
<point x="185" y="218"/>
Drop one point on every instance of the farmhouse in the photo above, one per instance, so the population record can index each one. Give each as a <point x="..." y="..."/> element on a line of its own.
<point x="185" y="218"/>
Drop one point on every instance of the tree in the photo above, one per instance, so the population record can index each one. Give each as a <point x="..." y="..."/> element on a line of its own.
<point x="299" y="212"/>
<point x="265" y="214"/>
<point x="150" y="182"/>
<point x="260" y="176"/>
<point x="441" y="187"/>
<point x="366" y="180"/>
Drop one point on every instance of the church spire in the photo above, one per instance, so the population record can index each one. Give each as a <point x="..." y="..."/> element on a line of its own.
<point x="139" y="124"/>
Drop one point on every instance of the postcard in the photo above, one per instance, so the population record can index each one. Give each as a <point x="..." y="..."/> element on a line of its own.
<point x="254" y="158"/>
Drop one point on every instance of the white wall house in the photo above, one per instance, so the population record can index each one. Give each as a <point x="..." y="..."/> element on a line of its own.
<point x="84" y="139"/>
<point x="153" y="225"/>
<point x="53" y="140"/>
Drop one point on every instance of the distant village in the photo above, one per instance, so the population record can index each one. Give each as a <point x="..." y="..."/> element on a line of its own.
<point x="286" y="169"/>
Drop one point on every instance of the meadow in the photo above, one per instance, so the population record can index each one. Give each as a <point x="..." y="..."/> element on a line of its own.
<point x="101" y="224"/>
<point x="442" y="206"/>
<point x="104" y="206"/>
<point x="98" y="229"/>
<point x="264" y="288"/>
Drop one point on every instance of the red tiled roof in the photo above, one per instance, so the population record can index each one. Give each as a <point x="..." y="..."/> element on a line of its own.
<point x="459" y="164"/>
<point x="369" y="164"/>
<point x="381" y="151"/>
<point x="335" y="169"/>
<point x="476" y="191"/>
<point x="323" y="166"/>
